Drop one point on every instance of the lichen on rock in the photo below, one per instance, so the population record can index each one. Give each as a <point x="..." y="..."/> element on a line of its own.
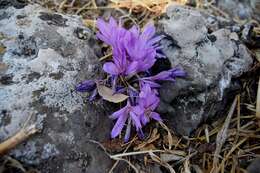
<point x="44" y="59"/>
<point x="212" y="61"/>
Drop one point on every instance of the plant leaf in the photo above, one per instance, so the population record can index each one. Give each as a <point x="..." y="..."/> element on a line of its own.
<point x="109" y="95"/>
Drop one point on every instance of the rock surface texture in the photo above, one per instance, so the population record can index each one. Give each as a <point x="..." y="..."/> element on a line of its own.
<point x="42" y="56"/>
<point x="241" y="9"/>
<point x="212" y="61"/>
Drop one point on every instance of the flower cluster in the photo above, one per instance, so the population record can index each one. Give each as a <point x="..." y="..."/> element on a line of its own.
<point x="133" y="54"/>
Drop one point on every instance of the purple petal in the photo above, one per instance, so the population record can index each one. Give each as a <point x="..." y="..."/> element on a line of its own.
<point x="147" y="63"/>
<point x="102" y="26"/>
<point x="155" y="40"/>
<point x="118" y="126"/>
<point x="152" y="84"/>
<point x="110" y="68"/>
<point x="86" y="86"/>
<point x="160" y="55"/>
<point x="133" y="94"/>
<point x="119" y="113"/>
<point x="140" y="134"/>
<point x="134" y="30"/>
<point x="145" y="91"/>
<point x="104" y="39"/>
<point x="120" y="89"/>
<point x="138" y="110"/>
<point x="155" y="103"/>
<point x="149" y="31"/>
<point x="155" y="116"/>
<point x="132" y="68"/>
<point x="104" y="31"/>
<point x="112" y="22"/>
<point x="128" y="130"/>
<point x="144" y="119"/>
<point x="164" y="75"/>
<point x="113" y="83"/>
<point x="135" y="120"/>
<point x="93" y="95"/>
<point x="177" y="72"/>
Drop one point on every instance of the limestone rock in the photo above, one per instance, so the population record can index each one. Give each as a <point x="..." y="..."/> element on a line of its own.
<point x="43" y="56"/>
<point x="241" y="9"/>
<point x="212" y="61"/>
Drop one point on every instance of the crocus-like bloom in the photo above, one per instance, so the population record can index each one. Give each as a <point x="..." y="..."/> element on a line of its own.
<point x="132" y="50"/>
<point x="141" y="47"/>
<point x="169" y="75"/>
<point x="148" y="102"/>
<point x="114" y="35"/>
<point x="89" y="86"/>
<point x="86" y="86"/>
<point x="122" y="116"/>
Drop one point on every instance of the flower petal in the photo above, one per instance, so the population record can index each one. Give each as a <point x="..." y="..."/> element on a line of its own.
<point x="132" y="68"/>
<point x="119" y="113"/>
<point x="135" y="120"/>
<point x="112" y="22"/>
<point x="118" y="126"/>
<point x="144" y="119"/>
<point x="178" y="72"/>
<point x="149" y="31"/>
<point x="93" y="95"/>
<point x="154" y="102"/>
<point x="155" y="116"/>
<point x="128" y="130"/>
<point x="86" y="86"/>
<point x="155" y="40"/>
<point x="152" y="84"/>
<point x="110" y="68"/>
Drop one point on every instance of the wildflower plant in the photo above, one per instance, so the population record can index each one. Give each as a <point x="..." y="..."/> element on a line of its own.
<point x="134" y="52"/>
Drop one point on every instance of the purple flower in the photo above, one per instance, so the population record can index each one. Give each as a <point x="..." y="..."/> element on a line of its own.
<point x="149" y="82"/>
<point x="132" y="50"/>
<point x="93" y="95"/>
<point x="110" y="32"/>
<point x="148" y="102"/>
<point x="133" y="94"/>
<point x="120" y="67"/>
<point x="86" y="86"/>
<point x="169" y="75"/>
<point x="141" y="47"/>
<point x="114" y="35"/>
<point x="122" y="115"/>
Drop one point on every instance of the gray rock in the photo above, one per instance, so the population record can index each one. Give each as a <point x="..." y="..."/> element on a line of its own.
<point x="241" y="9"/>
<point x="44" y="56"/>
<point x="254" y="166"/>
<point x="211" y="61"/>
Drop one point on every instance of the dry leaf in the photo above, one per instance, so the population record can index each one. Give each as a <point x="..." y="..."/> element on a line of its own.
<point x="170" y="138"/>
<point x="109" y="95"/>
<point x="157" y="159"/>
<point x="170" y="157"/>
<point x="148" y="147"/>
<point x="222" y="136"/>
<point x="115" y="145"/>
<point x="144" y="145"/>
